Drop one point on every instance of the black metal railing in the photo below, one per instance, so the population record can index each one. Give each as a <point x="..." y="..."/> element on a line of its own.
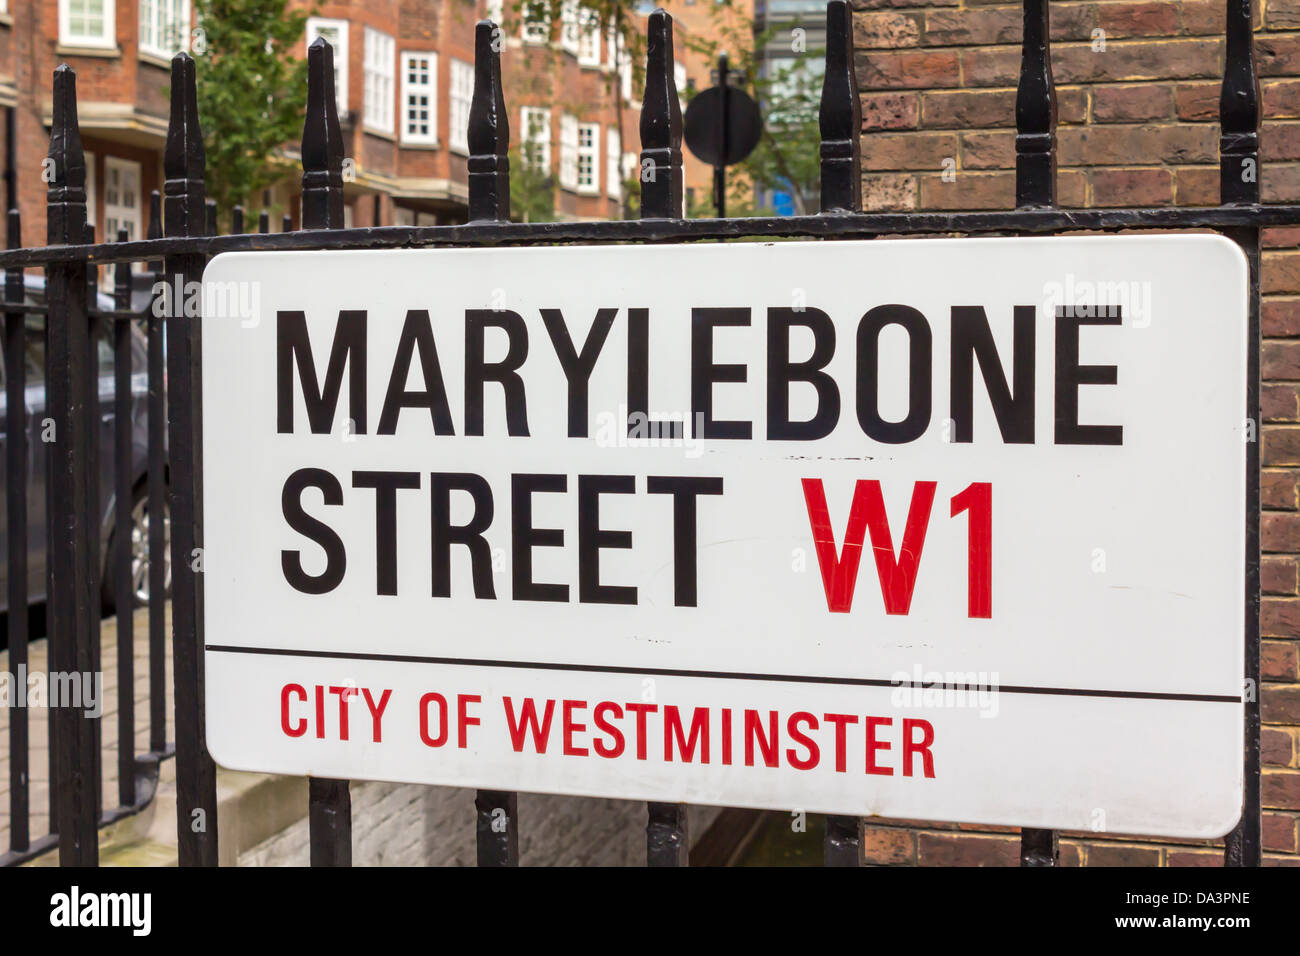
<point x="114" y="327"/>
<point x="189" y="239"/>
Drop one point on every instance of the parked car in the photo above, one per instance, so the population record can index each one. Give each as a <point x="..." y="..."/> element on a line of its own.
<point x="38" y="457"/>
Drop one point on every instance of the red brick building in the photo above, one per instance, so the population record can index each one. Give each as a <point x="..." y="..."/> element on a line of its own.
<point x="405" y="80"/>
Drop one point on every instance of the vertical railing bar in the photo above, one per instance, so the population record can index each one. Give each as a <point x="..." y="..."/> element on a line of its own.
<point x="661" y="125"/>
<point x="329" y="801"/>
<point x="184" y="214"/>
<point x="1239" y="172"/>
<point x="286" y="223"/>
<point x="16" y="452"/>
<point x="120" y="559"/>
<point x="488" y="134"/>
<point x="237" y="220"/>
<point x="72" y="489"/>
<point x="667" y="837"/>
<point x="1036" y="189"/>
<point x="840" y="116"/>
<point x="95" y="333"/>
<point x="1036" y="113"/>
<point x="263" y="222"/>
<point x="156" y="479"/>
<point x="840" y="123"/>
<point x="210" y="217"/>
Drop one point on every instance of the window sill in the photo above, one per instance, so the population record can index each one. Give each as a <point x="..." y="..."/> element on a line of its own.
<point x="108" y="52"/>
<point x="154" y="59"/>
<point x="431" y="146"/>
<point x="6" y="20"/>
<point x="379" y="133"/>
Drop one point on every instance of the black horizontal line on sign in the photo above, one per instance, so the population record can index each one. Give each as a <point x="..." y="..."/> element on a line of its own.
<point x="725" y="675"/>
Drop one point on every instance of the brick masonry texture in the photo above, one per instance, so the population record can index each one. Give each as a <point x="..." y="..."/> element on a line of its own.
<point x="1138" y="93"/>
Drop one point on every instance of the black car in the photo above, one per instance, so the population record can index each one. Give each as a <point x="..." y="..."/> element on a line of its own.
<point x="37" y="458"/>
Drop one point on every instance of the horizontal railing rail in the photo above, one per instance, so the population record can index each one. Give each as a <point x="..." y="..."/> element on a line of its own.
<point x="821" y="226"/>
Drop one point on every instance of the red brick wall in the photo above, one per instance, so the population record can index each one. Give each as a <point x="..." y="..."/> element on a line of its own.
<point x="1138" y="90"/>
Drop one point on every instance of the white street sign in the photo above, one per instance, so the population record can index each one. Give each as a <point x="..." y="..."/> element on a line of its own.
<point x="945" y="529"/>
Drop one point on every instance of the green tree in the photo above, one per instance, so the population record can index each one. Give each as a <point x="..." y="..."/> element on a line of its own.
<point x="252" y="93"/>
<point x="532" y="188"/>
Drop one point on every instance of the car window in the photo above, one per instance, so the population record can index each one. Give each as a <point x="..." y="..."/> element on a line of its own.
<point x="34" y="349"/>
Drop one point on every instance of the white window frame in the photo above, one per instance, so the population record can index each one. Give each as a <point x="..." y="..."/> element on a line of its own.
<point x="568" y="151"/>
<point x="379" y="84"/>
<point x="613" y="155"/>
<point x="155" y="17"/>
<point x="538" y="132"/>
<point x="107" y="39"/>
<point x="590" y="42"/>
<point x="570" y="36"/>
<point x="117" y="214"/>
<point x="534" y="32"/>
<point x="590" y="152"/>
<point x="460" y="98"/>
<point x="314" y="27"/>
<point x="429" y="89"/>
<point x="495" y="11"/>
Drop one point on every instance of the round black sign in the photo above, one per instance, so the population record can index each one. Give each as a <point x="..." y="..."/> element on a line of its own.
<point x="703" y="131"/>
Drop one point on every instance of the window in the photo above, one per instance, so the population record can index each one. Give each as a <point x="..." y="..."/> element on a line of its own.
<point x="88" y="23"/>
<point x="495" y="11"/>
<point x="378" y="87"/>
<point x="413" y="217"/>
<point x="537" y="21"/>
<point x="462" y="95"/>
<point x="588" y="157"/>
<point x="121" y="198"/>
<point x="419" y="97"/>
<point x="613" y="181"/>
<point x="568" y="151"/>
<point x="335" y="33"/>
<point x="164" y="27"/>
<point x="536" y="126"/>
<point x="589" y="42"/>
<point x="569" y="32"/>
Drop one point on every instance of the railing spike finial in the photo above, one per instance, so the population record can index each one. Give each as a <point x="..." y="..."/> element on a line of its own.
<point x="66" y="197"/>
<point x="1036" y="113"/>
<point x="489" y="131"/>
<point x="840" y="117"/>
<point x="237" y="220"/>
<point x="263" y="222"/>
<point x="184" y="156"/>
<point x="1239" y="111"/>
<point x="322" y="143"/>
<point x="661" y="125"/>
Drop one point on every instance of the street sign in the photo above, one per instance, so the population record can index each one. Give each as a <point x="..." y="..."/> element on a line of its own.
<point x="707" y="137"/>
<point x="929" y="529"/>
